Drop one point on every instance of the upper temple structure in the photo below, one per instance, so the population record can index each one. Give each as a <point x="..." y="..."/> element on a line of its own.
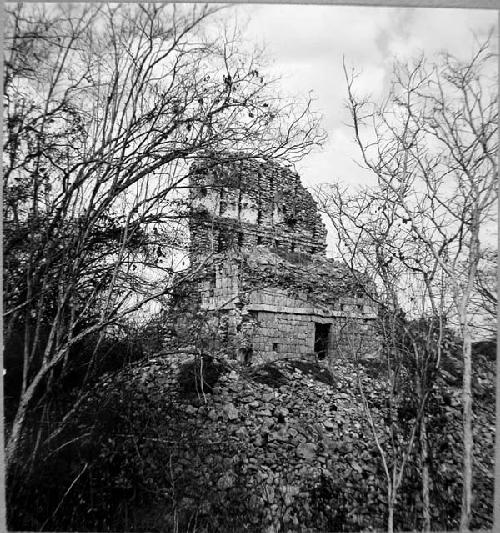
<point x="262" y="287"/>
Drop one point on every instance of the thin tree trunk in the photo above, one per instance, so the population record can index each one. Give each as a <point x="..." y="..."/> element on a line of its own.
<point x="467" y="433"/>
<point x="465" y="517"/>
<point x="12" y="446"/>
<point x="390" y="511"/>
<point x="26" y="339"/>
<point x="424" y="454"/>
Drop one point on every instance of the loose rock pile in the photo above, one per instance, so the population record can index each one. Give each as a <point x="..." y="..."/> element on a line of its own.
<point x="281" y="447"/>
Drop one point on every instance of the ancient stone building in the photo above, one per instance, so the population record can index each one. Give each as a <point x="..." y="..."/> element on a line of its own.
<point x="263" y="287"/>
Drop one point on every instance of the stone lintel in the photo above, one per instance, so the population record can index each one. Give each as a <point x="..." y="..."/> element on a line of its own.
<point x="308" y="311"/>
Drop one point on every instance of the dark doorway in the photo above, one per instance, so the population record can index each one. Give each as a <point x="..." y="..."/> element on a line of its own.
<point x="321" y="334"/>
<point x="247" y="352"/>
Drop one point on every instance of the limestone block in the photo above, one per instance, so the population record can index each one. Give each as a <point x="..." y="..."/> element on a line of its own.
<point x="230" y="411"/>
<point x="307" y="451"/>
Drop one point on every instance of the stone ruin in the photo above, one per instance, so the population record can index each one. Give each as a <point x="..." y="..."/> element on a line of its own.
<point x="261" y="286"/>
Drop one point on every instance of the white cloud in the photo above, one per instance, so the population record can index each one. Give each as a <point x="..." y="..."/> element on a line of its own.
<point x="307" y="43"/>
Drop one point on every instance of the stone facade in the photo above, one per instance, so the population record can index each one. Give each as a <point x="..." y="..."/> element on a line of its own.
<point x="243" y="204"/>
<point x="264" y="289"/>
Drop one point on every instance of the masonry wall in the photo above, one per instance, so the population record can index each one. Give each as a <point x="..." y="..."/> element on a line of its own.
<point x="246" y="203"/>
<point x="263" y="323"/>
<point x="285" y="327"/>
<point x="265" y="281"/>
<point x="279" y="335"/>
<point x="220" y="288"/>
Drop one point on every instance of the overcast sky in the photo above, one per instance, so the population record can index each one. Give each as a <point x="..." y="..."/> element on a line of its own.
<point x="306" y="44"/>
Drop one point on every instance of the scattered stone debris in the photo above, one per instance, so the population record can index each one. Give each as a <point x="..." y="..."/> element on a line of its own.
<point x="290" y="453"/>
<point x="201" y="374"/>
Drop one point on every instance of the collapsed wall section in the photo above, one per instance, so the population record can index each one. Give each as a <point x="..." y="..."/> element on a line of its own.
<point x="242" y="204"/>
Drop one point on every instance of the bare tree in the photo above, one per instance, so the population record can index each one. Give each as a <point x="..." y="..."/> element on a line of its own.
<point x="105" y="106"/>
<point x="432" y="147"/>
<point x="373" y="240"/>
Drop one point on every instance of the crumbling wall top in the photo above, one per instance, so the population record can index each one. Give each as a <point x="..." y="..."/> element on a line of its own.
<point x="251" y="202"/>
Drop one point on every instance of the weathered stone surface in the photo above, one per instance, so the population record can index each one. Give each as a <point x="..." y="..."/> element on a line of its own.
<point x="241" y="433"/>
<point x="231" y="411"/>
<point x="215" y="457"/>
<point x="307" y="450"/>
<point x="226" y="481"/>
<point x="266" y="279"/>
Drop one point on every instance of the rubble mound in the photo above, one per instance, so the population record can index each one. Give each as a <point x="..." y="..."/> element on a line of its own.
<point x="280" y="447"/>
